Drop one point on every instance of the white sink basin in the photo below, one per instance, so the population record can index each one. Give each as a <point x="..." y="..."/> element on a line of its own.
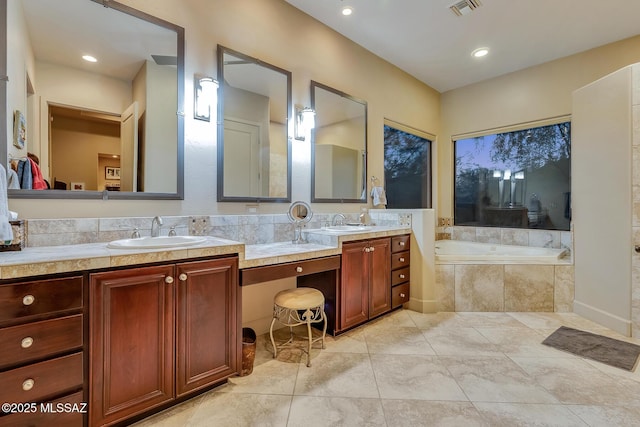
<point x="347" y="228"/>
<point x="156" y="242"/>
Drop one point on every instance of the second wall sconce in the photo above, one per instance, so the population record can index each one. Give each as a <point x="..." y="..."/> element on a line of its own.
<point x="305" y="120"/>
<point x="203" y="96"/>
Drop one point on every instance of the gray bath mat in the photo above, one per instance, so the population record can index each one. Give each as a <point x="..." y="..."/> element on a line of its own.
<point x="607" y="350"/>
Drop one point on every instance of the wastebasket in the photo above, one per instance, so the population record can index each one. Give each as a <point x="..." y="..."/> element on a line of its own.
<point x="248" y="350"/>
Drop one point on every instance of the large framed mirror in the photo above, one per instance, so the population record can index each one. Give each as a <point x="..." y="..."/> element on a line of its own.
<point x="107" y="127"/>
<point x="254" y="110"/>
<point x="339" y="153"/>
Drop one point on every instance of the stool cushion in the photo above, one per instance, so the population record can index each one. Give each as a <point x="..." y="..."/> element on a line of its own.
<point x="299" y="298"/>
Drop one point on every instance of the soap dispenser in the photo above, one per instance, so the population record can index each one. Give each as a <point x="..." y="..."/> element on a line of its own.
<point x="364" y="216"/>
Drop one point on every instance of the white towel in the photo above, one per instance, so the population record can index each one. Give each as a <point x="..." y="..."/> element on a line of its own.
<point x="379" y="196"/>
<point x="6" y="234"/>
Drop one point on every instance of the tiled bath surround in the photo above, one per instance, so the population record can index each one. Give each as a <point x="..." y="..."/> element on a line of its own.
<point x="250" y="229"/>
<point x="505" y="287"/>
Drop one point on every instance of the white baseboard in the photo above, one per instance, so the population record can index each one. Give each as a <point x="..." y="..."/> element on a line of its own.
<point x="604" y="318"/>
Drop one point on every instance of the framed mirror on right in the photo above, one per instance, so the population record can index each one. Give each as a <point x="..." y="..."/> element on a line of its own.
<point x="339" y="146"/>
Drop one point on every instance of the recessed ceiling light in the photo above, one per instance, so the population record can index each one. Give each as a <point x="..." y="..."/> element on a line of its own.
<point x="89" y="58"/>
<point x="480" y="52"/>
<point x="347" y="10"/>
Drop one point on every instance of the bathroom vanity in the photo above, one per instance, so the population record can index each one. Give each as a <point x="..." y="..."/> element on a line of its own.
<point x="117" y="334"/>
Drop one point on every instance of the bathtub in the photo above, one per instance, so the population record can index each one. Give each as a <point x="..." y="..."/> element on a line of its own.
<point x="458" y="251"/>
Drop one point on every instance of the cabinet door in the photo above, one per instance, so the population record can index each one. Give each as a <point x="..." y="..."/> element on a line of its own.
<point x="379" y="277"/>
<point x="131" y="342"/>
<point x="207" y="340"/>
<point x="354" y="287"/>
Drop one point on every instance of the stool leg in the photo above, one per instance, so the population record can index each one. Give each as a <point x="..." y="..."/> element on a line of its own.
<point x="324" y="329"/>
<point x="310" y="341"/>
<point x="273" y="342"/>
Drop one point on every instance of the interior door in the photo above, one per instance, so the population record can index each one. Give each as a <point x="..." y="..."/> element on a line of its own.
<point x="242" y="147"/>
<point x="129" y="148"/>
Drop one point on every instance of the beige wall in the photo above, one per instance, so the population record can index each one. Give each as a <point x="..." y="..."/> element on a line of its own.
<point x="532" y="94"/>
<point x="277" y="33"/>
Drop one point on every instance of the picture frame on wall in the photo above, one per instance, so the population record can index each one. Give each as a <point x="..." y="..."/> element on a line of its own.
<point x="111" y="172"/>
<point x="77" y="186"/>
<point x="19" y="129"/>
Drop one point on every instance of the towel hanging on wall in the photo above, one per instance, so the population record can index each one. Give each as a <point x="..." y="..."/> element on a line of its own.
<point x="6" y="233"/>
<point x="379" y="196"/>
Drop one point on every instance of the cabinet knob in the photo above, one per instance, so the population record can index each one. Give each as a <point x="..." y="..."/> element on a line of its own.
<point x="402" y="295"/>
<point x="401" y="259"/>
<point x="367" y="249"/>
<point x="28" y="384"/>
<point x="28" y="299"/>
<point x="26" y="342"/>
<point x="299" y="269"/>
<point x="402" y="276"/>
<point x="372" y="248"/>
<point x="401" y="243"/>
<point x="168" y="279"/>
<point x="182" y="276"/>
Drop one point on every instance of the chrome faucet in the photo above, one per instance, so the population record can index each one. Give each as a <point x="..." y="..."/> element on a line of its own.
<point x="156" y="223"/>
<point x="338" y="219"/>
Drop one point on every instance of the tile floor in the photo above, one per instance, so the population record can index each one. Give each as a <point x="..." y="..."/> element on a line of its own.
<point x="413" y="369"/>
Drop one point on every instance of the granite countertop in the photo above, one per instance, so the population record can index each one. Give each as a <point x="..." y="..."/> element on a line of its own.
<point x="321" y="243"/>
<point x="35" y="261"/>
<point x="61" y="259"/>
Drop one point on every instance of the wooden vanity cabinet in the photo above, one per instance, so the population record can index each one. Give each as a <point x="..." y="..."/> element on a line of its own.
<point x="400" y="255"/>
<point x="42" y="350"/>
<point x="159" y="333"/>
<point x="365" y="288"/>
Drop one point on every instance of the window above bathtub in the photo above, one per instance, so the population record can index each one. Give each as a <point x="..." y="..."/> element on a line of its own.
<point x="516" y="177"/>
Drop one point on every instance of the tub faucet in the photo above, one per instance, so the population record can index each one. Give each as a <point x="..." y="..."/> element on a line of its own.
<point x="156" y="223"/>
<point x="338" y="219"/>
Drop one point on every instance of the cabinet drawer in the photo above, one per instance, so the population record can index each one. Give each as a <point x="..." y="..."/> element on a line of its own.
<point x="399" y="260"/>
<point x="64" y="412"/>
<point x="291" y="269"/>
<point x="400" y="243"/>
<point x="399" y="295"/>
<point x="39" y="381"/>
<point x="36" y="340"/>
<point x="27" y="299"/>
<point x="399" y="276"/>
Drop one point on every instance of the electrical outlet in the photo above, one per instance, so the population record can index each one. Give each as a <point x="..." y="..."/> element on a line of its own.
<point x="405" y="220"/>
<point x="199" y="225"/>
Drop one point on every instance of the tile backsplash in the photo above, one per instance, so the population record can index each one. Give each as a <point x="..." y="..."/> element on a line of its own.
<point x="250" y="229"/>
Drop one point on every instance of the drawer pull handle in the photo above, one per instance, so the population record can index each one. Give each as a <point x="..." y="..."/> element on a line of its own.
<point x="168" y="279"/>
<point x="28" y="384"/>
<point x="401" y="259"/>
<point x="402" y="276"/>
<point x="26" y="342"/>
<point x="28" y="299"/>
<point x="401" y="243"/>
<point x="402" y="295"/>
<point x="299" y="269"/>
<point x="182" y="277"/>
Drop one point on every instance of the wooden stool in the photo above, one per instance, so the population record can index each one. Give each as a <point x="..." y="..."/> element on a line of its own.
<point x="299" y="306"/>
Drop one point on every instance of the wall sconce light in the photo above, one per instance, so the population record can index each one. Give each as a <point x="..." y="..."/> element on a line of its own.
<point x="204" y="89"/>
<point x="305" y="120"/>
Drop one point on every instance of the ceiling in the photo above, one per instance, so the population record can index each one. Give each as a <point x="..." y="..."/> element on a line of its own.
<point x="427" y="40"/>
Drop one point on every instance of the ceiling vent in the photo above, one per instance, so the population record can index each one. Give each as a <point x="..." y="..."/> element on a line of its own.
<point x="464" y="7"/>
